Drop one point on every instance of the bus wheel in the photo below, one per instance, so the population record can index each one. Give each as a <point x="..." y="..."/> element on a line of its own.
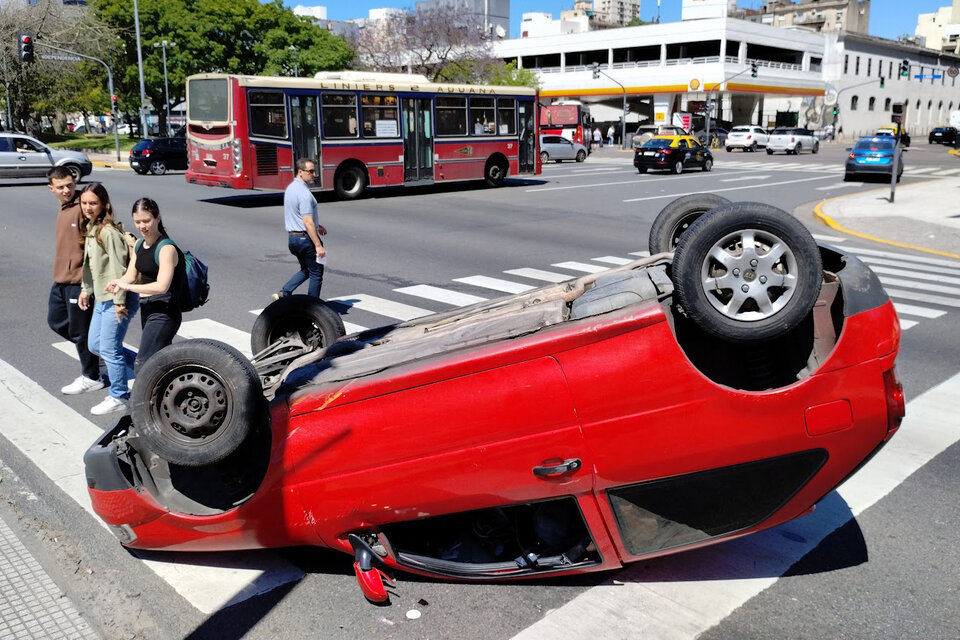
<point x="350" y="182"/>
<point x="495" y="172"/>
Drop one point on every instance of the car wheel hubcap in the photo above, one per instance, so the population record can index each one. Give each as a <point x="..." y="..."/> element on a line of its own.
<point x="193" y="403"/>
<point x="749" y="275"/>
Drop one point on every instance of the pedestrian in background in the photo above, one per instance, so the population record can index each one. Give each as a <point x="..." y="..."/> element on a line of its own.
<point x="610" y="133"/>
<point x="151" y="273"/>
<point x="105" y="258"/>
<point x="64" y="315"/>
<point x="303" y="231"/>
<point x="597" y="138"/>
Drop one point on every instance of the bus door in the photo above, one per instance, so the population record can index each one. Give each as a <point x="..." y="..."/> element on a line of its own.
<point x="528" y="147"/>
<point x="417" y="120"/>
<point x="303" y="126"/>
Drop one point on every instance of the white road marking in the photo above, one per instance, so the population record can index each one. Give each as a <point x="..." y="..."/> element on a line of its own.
<point x="920" y="268"/>
<point x="206" y="328"/>
<point x="382" y="306"/>
<point x="918" y="170"/>
<point x="642" y="254"/>
<point x="54" y="438"/>
<point x="439" y="294"/>
<point x="613" y="260"/>
<point x="916" y="275"/>
<point x="909" y="257"/>
<point x="923" y="297"/>
<point x="665" y="603"/>
<point x="839" y="185"/>
<point x="913" y="310"/>
<point x="823" y="238"/>
<point x="920" y="286"/>
<point x="497" y="284"/>
<point x="580" y="266"/>
<point x="762" y="176"/>
<point x="947" y="172"/>
<point x="539" y="274"/>
<point x="907" y="324"/>
<point x="749" y="186"/>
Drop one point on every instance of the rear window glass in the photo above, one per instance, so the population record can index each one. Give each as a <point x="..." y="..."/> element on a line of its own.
<point x="140" y="146"/>
<point x="873" y="145"/>
<point x="656" y="144"/>
<point x="740" y="130"/>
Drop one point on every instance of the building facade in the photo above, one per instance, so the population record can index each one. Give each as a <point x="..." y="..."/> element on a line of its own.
<point x="616" y="12"/>
<point x="941" y="29"/>
<point x="492" y="15"/>
<point x="851" y="16"/>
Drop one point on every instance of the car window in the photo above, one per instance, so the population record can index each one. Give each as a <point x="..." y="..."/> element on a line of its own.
<point x="740" y="130"/>
<point x="682" y="143"/>
<point x="656" y="143"/>
<point x="26" y="146"/>
<point x="781" y="132"/>
<point x="873" y="145"/>
<point x="6" y="144"/>
<point x="695" y="144"/>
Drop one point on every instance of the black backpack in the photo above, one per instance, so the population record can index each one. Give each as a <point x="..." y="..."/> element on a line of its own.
<point x="190" y="284"/>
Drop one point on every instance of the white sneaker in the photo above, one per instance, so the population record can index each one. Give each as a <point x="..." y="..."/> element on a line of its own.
<point x="81" y="385"/>
<point x="109" y="405"/>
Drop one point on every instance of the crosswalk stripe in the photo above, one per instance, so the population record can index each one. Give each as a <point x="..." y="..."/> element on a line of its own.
<point x="915" y="275"/>
<point x="439" y="294"/>
<point x="922" y="286"/>
<point x="497" y="284"/>
<point x="823" y="238"/>
<point x="923" y="297"/>
<point x="872" y="260"/>
<point x="905" y="256"/>
<point x="913" y="310"/>
<point x="539" y="274"/>
<point x="54" y="438"/>
<point x="382" y="306"/>
<point x="652" y="598"/>
<point x="348" y="327"/>
<point x="907" y="324"/>
<point x="946" y="172"/>
<point x="613" y="260"/>
<point x="641" y="254"/>
<point x="919" y="170"/>
<point x="207" y="328"/>
<point x="580" y="266"/>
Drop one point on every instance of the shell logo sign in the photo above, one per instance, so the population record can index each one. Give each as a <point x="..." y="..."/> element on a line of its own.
<point x="695" y="84"/>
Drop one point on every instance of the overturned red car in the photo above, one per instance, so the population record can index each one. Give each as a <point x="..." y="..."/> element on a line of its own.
<point x="720" y="387"/>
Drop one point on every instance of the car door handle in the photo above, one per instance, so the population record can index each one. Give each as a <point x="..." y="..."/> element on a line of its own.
<point x="567" y="466"/>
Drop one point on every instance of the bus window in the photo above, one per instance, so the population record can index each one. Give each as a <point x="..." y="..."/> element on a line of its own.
<point x="339" y="115"/>
<point x="451" y="116"/>
<point x="380" y="118"/>
<point x="507" y="116"/>
<point x="482" y="116"/>
<point x="209" y="100"/>
<point x="268" y="115"/>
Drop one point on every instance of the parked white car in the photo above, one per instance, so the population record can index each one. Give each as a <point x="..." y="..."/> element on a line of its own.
<point x="792" y="140"/>
<point x="746" y="137"/>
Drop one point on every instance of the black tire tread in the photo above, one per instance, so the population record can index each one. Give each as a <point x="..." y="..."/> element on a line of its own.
<point x="683" y="210"/>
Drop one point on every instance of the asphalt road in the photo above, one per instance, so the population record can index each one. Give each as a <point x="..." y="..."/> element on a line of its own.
<point x="891" y="572"/>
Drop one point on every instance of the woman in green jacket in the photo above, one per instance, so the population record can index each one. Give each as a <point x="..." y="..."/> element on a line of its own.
<point x="105" y="258"/>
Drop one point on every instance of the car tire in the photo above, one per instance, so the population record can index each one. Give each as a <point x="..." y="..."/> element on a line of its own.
<point x="797" y="149"/>
<point x="769" y="152"/>
<point x="847" y="177"/>
<point x="782" y="272"/>
<point x="142" y="172"/>
<point x="707" y="164"/>
<point x="494" y="173"/>
<point x="312" y="320"/>
<point x="158" y="167"/>
<point x="753" y="148"/>
<point x="729" y="149"/>
<point x="675" y="218"/>
<point x="350" y="182"/>
<point x="816" y="147"/>
<point x="641" y="169"/>
<point x="74" y="171"/>
<point x="581" y="155"/>
<point x="195" y="402"/>
<point x="677" y="168"/>
<point x="544" y="157"/>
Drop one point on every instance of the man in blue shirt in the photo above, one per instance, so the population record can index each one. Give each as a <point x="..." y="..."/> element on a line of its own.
<point x="303" y="231"/>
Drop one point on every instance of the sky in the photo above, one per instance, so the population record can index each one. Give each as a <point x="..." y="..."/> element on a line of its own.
<point x="888" y="18"/>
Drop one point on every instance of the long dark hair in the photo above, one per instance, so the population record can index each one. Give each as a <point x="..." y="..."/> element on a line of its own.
<point x="151" y="207"/>
<point x="105" y="217"/>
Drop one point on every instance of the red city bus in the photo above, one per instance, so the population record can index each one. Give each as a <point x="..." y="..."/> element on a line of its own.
<point x="568" y="119"/>
<point x="361" y="129"/>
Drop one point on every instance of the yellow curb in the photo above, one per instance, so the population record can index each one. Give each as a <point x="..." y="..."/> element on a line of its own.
<point x="113" y="165"/>
<point x="830" y="222"/>
<point x="954" y="152"/>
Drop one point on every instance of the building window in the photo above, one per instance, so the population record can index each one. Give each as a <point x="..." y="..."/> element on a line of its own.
<point x="890" y="69"/>
<point x="871" y="104"/>
<point x="846" y="63"/>
<point x="854" y="101"/>
<point x="886" y="104"/>
<point x="869" y="66"/>
<point x="856" y="67"/>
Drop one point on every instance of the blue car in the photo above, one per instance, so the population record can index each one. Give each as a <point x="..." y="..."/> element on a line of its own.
<point x="873" y="156"/>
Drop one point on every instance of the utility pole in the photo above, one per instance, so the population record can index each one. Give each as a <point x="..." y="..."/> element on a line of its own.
<point x="595" y="67"/>
<point x="144" y="116"/>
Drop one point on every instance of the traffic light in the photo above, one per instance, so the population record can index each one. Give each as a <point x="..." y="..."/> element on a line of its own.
<point x="114" y="102"/>
<point x="753" y="69"/>
<point x="881" y="82"/>
<point x="25" y="47"/>
<point x="596" y="70"/>
<point x="836" y="110"/>
<point x="904" y="67"/>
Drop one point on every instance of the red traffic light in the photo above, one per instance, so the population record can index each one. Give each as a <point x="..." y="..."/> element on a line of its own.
<point x="25" y="39"/>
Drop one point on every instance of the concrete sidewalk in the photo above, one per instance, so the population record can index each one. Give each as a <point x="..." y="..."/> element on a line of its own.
<point x="110" y="159"/>
<point x="924" y="216"/>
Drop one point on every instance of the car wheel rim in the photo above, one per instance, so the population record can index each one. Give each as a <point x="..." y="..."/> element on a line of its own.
<point x="544" y="157"/>
<point x="191" y="403"/>
<point x="495" y="172"/>
<point x="303" y="327"/>
<point x="749" y="275"/>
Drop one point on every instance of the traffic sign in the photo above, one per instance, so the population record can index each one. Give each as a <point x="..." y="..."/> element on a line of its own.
<point x="57" y="56"/>
<point x="953" y="71"/>
<point x="928" y="76"/>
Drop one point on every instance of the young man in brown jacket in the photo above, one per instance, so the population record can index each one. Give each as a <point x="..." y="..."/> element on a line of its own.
<point x="63" y="314"/>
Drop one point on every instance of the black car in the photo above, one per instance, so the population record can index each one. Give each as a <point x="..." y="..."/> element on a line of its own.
<point x="157" y="155"/>
<point x="672" y="153"/>
<point x="943" y="135"/>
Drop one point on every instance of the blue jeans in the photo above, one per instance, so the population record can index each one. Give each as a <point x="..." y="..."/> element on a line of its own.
<point x="302" y="247"/>
<point x="106" y="340"/>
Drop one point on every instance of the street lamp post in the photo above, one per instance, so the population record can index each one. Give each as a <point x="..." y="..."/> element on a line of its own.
<point x="595" y="67"/>
<point x="144" y="132"/>
<point x="296" y="68"/>
<point x="166" y="92"/>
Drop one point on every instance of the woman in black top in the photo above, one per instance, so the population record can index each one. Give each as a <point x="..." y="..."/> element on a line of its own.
<point x="151" y="274"/>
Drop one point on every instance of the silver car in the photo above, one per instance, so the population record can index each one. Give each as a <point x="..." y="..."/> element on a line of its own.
<point x="558" y="148"/>
<point x="22" y="156"/>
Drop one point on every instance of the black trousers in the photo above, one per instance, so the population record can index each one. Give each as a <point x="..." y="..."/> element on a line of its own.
<point x="160" y="319"/>
<point x="73" y="324"/>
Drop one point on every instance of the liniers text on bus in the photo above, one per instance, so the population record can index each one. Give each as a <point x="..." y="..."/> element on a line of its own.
<point x="361" y="129"/>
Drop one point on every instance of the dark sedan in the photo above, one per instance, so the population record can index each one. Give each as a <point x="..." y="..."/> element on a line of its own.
<point x="672" y="153"/>
<point x="943" y="135"/>
<point x="158" y="155"/>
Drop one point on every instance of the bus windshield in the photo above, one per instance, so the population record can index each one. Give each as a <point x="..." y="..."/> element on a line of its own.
<point x="208" y="100"/>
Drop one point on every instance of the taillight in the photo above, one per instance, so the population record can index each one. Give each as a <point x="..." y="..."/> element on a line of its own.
<point x="896" y="406"/>
<point x="146" y="152"/>
<point x="237" y="156"/>
<point x="792" y="139"/>
<point x="748" y="137"/>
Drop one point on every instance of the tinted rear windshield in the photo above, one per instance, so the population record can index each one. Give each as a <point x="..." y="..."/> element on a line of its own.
<point x="143" y="144"/>
<point x="785" y="132"/>
<point x="873" y="145"/>
<point x="656" y="144"/>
